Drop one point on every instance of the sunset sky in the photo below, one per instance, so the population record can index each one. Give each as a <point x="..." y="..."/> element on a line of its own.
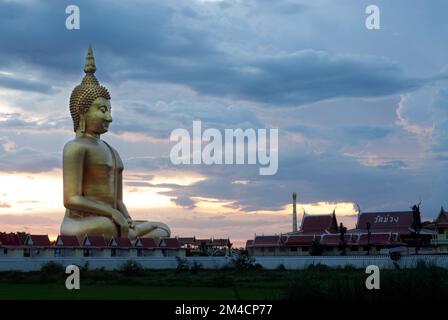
<point x="362" y="114"/>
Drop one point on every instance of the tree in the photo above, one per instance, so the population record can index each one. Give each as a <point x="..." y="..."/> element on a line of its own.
<point x="342" y="243"/>
<point x="416" y="226"/>
<point x="316" y="248"/>
<point x="368" y="225"/>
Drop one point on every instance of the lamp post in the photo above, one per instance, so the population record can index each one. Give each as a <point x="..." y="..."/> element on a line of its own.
<point x="368" y="225"/>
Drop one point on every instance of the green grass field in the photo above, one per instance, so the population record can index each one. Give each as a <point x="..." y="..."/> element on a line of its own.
<point x="134" y="292"/>
<point x="314" y="283"/>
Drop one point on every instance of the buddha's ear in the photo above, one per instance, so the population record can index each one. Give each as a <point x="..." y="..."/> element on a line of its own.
<point x="82" y="123"/>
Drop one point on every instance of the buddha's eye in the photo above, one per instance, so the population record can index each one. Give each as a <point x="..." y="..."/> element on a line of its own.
<point x="103" y="109"/>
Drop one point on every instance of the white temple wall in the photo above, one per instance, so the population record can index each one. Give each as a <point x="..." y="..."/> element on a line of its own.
<point x="170" y="262"/>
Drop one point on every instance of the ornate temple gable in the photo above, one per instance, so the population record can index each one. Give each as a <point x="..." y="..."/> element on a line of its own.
<point x="38" y="241"/>
<point x="94" y="241"/>
<point x="171" y="243"/>
<point x="334" y="224"/>
<point x="442" y="218"/>
<point x="120" y="242"/>
<point x="145" y="243"/>
<point x="67" y="241"/>
<point x="322" y="223"/>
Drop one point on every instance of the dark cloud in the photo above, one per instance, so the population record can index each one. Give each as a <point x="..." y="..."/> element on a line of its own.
<point x="186" y="45"/>
<point x="394" y="164"/>
<point x="161" y="118"/>
<point x="309" y="76"/>
<point x="29" y="160"/>
<point x="184" y="202"/>
<point x="24" y="84"/>
<point x="317" y="177"/>
<point x="425" y="113"/>
<point x="165" y="42"/>
<point x="17" y="121"/>
<point x="345" y="134"/>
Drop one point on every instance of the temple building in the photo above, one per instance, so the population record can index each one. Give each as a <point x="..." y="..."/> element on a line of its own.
<point x="92" y="246"/>
<point x="205" y="247"/>
<point x="374" y="233"/>
<point x="440" y="236"/>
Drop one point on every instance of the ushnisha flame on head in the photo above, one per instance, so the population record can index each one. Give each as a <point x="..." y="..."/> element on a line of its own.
<point x="85" y="93"/>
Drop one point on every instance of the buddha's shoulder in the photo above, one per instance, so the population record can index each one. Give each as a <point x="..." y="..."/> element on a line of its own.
<point x="79" y="144"/>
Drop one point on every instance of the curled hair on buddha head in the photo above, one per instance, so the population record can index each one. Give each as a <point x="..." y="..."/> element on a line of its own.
<point x="87" y="91"/>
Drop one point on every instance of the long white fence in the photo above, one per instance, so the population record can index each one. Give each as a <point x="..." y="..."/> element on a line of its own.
<point x="290" y="263"/>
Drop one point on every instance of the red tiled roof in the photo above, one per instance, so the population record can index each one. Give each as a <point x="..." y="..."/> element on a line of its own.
<point x="375" y="239"/>
<point x="442" y="218"/>
<point x="205" y="241"/>
<point x="299" y="240"/>
<point x="386" y="220"/>
<point x="187" y="240"/>
<point x="38" y="240"/>
<point x="146" y="243"/>
<point x="319" y="223"/>
<point x="67" y="241"/>
<point x="335" y="239"/>
<point x="95" y="241"/>
<point x="9" y="239"/>
<point x="220" y="242"/>
<point x="121" y="242"/>
<point x="266" y="241"/>
<point x="170" y="243"/>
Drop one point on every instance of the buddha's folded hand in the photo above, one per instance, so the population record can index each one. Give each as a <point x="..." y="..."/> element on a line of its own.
<point x="121" y="221"/>
<point x="131" y="223"/>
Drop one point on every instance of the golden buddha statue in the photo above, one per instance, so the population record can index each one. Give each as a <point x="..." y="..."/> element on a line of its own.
<point x="92" y="170"/>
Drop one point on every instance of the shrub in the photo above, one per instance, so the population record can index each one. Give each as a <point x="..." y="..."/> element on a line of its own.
<point x="131" y="267"/>
<point x="182" y="264"/>
<point x="350" y="267"/>
<point x="52" y="268"/>
<point x="395" y="256"/>
<point x="281" y="267"/>
<point x="243" y="262"/>
<point x="195" y="267"/>
<point x="316" y="248"/>
<point x="319" y="267"/>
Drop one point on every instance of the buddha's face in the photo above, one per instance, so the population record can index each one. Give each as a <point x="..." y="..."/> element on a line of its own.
<point x="98" y="117"/>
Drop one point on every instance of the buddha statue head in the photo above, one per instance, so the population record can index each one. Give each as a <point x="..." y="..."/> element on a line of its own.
<point x="90" y="102"/>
